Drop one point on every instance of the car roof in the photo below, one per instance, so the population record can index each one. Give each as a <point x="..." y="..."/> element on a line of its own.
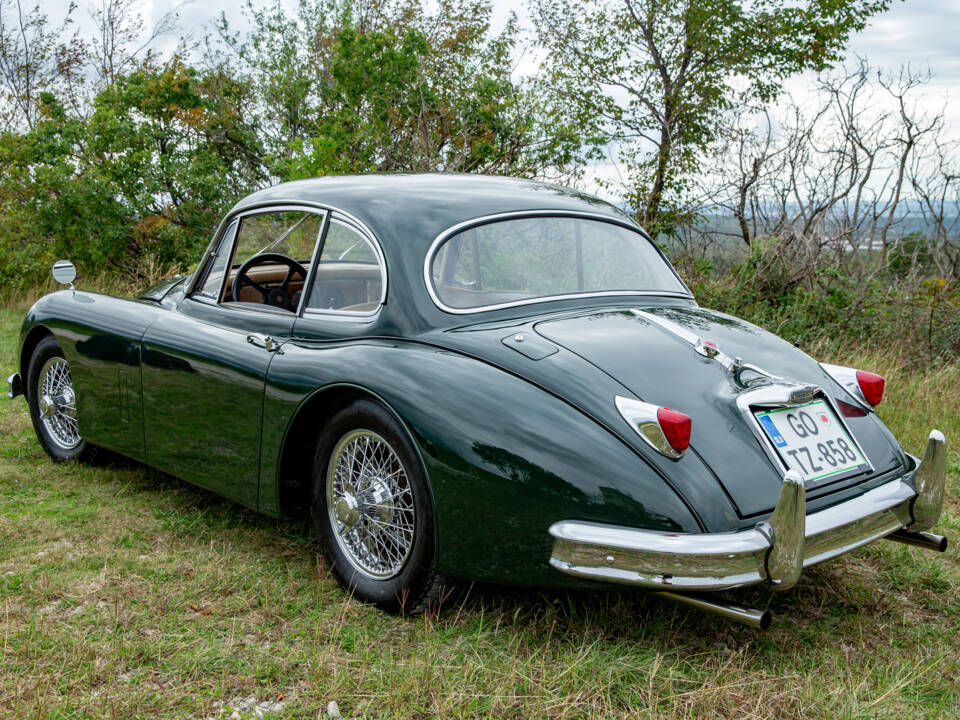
<point x="413" y="210"/>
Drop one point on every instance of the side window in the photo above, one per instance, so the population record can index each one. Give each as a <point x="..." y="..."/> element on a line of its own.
<point x="349" y="274"/>
<point x="278" y="282"/>
<point x="211" y="284"/>
<point x="291" y="233"/>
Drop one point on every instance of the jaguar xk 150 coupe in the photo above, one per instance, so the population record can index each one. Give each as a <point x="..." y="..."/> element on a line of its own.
<point x="483" y="378"/>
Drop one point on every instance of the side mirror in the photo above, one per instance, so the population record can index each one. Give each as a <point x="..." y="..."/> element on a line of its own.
<point x="64" y="272"/>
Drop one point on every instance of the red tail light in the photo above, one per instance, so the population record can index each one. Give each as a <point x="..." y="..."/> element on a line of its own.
<point x="676" y="427"/>
<point x="871" y="385"/>
<point x="848" y="410"/>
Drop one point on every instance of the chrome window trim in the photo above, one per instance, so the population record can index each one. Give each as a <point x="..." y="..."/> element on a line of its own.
<point x="317" y="249"/>
<point x="265" y="206"/>
<point x="210" y="257"/>
<point x="234" y="222"/>
<point x="346" y="221"/>
<point x="520" y="214"/>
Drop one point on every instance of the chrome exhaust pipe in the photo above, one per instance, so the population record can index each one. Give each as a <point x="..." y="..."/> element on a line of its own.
<point x="759" y="619"/>
<point x="937" y="543"/>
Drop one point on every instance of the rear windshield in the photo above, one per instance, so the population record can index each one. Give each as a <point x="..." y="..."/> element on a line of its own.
<point x="526" y="259"/>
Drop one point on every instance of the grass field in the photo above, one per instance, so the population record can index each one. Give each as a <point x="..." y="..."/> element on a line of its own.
<point x="125" y="593"/>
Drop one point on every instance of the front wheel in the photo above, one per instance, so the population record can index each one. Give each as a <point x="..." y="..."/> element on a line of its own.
<point x="53" y="404"/>
<point x="372" y="511"/>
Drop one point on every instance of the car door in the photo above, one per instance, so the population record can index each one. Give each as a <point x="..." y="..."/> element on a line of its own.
<point x="205" y="364"/>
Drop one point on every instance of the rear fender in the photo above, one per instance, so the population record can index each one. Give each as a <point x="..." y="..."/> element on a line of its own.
<point x="504" y="458"/>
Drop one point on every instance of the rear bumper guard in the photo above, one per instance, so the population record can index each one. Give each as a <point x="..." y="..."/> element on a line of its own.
<point x="775" y="551"/>
<point x="16" y="386"/>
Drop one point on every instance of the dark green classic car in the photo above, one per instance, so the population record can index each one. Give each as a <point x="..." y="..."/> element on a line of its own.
<point x="483" y="378"/>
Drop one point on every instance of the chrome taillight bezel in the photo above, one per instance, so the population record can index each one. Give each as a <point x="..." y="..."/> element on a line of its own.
<point x="642" y="417"/>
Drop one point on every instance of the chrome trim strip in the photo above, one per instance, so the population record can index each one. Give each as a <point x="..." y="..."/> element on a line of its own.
<point x="689" y="337"/>
<point x="519" y="214"/>
<point x="16" y="386"/>
<point x="846" y="377"/>
<point x="771" y="551"/>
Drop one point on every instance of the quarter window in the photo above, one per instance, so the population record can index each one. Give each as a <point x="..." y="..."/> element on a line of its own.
<point x="349" y="274"/>
<point x="211" y="285"/>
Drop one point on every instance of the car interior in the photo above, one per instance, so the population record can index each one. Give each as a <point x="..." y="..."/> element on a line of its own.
<point x="344" y="286"/>
<point x="270" y="264"/>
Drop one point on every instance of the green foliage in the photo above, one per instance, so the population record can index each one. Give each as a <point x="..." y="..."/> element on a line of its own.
<point x="910" y="254"/>
<point x="140" y="183"/>
<point x="349" y="87"/>
<point x="135" y="176"/>
<point x="836" y="310"/>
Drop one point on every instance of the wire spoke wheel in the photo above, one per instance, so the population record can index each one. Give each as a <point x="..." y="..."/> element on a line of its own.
<point x="57" y="403"/>
<point x="370" y="504"/>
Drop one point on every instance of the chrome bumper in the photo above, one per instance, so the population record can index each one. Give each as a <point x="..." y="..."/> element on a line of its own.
<point x="16" y="386"/>
<point x="775" y="551"/>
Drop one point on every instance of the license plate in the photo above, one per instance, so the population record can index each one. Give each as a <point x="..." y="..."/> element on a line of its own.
<point x="810" y="440"/>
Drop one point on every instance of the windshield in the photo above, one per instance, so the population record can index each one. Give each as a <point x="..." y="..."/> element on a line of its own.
<point x="529" y="258"/>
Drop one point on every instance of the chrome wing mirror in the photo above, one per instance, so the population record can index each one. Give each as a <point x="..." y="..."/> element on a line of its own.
<point x="64" y="272"/>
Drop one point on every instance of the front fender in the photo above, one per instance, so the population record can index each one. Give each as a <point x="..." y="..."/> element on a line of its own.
<point x="504" y="458"/>
<point x="100" y="338"/>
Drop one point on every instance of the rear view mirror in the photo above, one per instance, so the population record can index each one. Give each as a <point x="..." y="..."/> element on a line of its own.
<point x="64" y="272"/>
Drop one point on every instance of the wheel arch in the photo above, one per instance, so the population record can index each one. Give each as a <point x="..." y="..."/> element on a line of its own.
<point x="293" y="479"/>
<point x="30" y="341"/>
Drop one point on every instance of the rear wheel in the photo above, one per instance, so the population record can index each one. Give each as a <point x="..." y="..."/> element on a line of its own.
<point x="53" y="404"/>
<point x="372" y="511"/>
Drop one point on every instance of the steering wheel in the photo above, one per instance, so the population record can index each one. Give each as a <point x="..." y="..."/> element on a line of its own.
<point x="275" y="296"/>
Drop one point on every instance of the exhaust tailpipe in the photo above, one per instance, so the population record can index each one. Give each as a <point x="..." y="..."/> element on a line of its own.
<point x="938" y="543"/>
<point x="759" y="619"/>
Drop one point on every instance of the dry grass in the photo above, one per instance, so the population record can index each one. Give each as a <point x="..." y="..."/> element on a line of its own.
<point x="125" y="593"/>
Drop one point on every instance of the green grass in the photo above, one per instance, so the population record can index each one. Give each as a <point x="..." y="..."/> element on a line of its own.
<point x="125" y="593"/>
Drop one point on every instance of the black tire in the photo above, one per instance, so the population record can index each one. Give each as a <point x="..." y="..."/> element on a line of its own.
<point x="47" y="354"/>
<point x="413" y="587"/>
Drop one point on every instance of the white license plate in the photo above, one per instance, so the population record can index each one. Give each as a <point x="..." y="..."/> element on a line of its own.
<point x="810" y="440"/>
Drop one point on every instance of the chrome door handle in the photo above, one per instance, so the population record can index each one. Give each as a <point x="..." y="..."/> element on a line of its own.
<point x="264" y="341"/>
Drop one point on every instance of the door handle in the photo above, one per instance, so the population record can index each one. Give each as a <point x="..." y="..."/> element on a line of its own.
<point x="264" y="341"/>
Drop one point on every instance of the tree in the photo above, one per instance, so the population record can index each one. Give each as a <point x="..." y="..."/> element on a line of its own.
<point x="389" y="85"/>
<point x="33" y="60"/>
<point x="120" y="41"/>
<point x="654" y="78"/>
<point x="140" y="184"/>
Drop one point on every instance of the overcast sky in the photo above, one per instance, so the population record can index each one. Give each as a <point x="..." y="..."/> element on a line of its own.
<point x="915" y="31"/>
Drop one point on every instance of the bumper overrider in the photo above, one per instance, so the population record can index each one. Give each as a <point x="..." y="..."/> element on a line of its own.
<point x="16" y="385"/>
<point x="773" y="552"/>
